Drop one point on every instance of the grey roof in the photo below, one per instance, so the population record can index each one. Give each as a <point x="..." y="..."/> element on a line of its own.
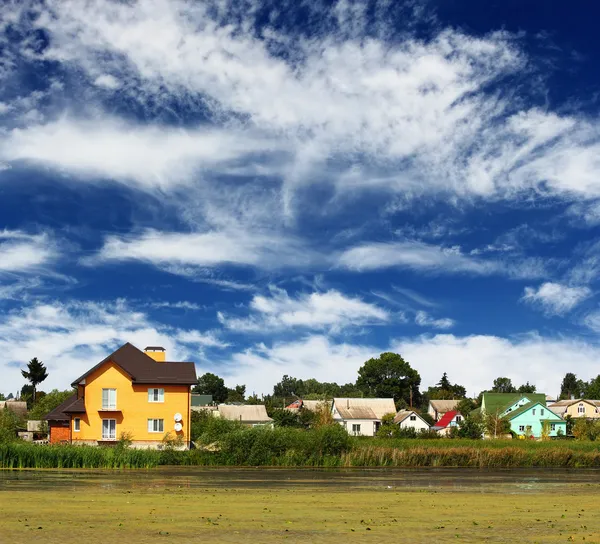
<point x="313" y="405"/>
<point x="404" y="414"/>
<point x="364" y="408"/>
<point x="251" y="413"/>
<point x="201" y="400"/>
<point x="444" y="406"/>
<point x="18" y="407"/>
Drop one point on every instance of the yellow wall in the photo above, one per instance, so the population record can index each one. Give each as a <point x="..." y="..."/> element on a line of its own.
<point x="158" y="356"/>
<point x="133" y="408"/>
<point x="590" y="411"/>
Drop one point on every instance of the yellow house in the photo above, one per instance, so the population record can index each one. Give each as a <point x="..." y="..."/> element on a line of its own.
<point x="587" y="408"/>
<point x="134" y="394"/>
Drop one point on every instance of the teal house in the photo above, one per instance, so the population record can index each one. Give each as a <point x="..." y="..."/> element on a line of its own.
<point x="526" y="412"/>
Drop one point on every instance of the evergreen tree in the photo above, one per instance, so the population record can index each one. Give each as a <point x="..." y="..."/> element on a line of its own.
<point x="36" y="373"/>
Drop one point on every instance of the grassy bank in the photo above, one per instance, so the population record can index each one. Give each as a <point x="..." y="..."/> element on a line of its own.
<point x="158" y="510"/>
<point x="324" y="447"/>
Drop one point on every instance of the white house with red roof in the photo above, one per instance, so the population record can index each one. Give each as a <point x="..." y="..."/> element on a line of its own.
<point x="447" y="421"/>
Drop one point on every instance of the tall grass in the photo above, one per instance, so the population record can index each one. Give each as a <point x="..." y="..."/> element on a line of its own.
<point x="23" y="455"/>
<point x="326" y="446"/>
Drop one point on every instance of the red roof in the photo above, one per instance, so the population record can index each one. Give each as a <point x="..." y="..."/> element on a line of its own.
<point x="446" y="419"/>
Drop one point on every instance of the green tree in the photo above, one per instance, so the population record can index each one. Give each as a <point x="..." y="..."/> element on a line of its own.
<point x="593" y="388"/>
<point x="2" y="397"/>
<point x="48" y="402"/>
<point x="286" y="418"/>
<point x="466" y="406"/>
<point x="237" y="394"/>
<point x="36" y="373"/>
<point x="571" y="387"/>
<point x="495" y="425"/>
<point x="211" y="384"/>
<point x="526" y="388"/>
<point x="444" y="390"/>
<point x="389" y="375"/>
<point x="503" y="385"/>
<point x="388" y="429"/>
<point x="471" y="427"/>
<point x="288" y="387"/>
<point x="9" y="424"/>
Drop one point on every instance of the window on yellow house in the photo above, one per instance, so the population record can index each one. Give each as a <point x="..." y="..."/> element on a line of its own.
<point x="156" y="425"/>
<point x="156" y="395"/>
<point x="109" y="399"/>
<point x="109" y="429"/>
<point x="76" y="424"/>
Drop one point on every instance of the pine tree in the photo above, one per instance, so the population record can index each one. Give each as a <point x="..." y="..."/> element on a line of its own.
<point x="36" y="373"/>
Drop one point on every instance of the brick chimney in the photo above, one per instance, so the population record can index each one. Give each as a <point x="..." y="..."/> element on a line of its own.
<point x="158" y="353"/>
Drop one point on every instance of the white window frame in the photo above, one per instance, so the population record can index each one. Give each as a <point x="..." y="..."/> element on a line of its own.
<point x="109" y="435"/>
<point x="521" y="428"/>
<point x="356" y="428"/>
<point x="108" y="405"/>
<point x="542" y="412"/>
<point x="581" y="408"/>
<point x="458" y="419"/>
<point x="156" y="394"/>
<point x="156" y="425"/>
<point x="553" y="426"/>
<point x="76" y="424"/>
<point x="533" y="412"/>
<point x="413" y="418"/>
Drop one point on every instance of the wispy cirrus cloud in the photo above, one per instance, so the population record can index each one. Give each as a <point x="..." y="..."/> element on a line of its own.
<point x="423" y="319"/>
<point x="24" y="253"/>
<point x="330" y="310"/>
<point x="171" y="250"/>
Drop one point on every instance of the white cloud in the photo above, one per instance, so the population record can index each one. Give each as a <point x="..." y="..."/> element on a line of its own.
<point x="329" y="310"/>
<point x="170" y="250"/>
<point x="555" y="298"/>
<point x="473" y="361"/>
<point x="425" y="320"/>
<point x="411" y="254"/>
<point x="148" y="156"/>
<point x="313" y="356"/>
<point x="72" y="337"/>
<point x="107" y="81"/>
<point x="21" y="252"/>
<point x="422" y="108"/>
<point x="420" y="256"/>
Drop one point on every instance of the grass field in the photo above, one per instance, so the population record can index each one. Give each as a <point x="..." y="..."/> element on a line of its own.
<point x="168" y="510"/>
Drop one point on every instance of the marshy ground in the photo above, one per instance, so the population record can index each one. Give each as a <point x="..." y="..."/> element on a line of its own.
<point x="265" y="505"/>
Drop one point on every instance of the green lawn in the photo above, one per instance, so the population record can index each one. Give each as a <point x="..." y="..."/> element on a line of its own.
<point x="167" y="511"/>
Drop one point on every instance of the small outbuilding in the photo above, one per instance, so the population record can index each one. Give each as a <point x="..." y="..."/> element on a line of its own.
<point x="253" y="415"/>
<point x="409" y="419"/>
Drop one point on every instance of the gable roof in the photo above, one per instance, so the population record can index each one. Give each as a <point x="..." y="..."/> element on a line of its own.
<point x="250" y="413"/>
<point x="404" y="414"/>
<point x="444" y="405"/>
<point x="529" y="406"/>
<point x="364" y="408"/>
<point x="142" y="368"/>
<point x="569" y="402"/>
<point x="498" y="402"/>
<point x="445" y="420"/>
<point x="58" y="414"/>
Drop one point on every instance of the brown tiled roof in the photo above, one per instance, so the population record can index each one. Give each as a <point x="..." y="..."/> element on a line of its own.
<point x="78" y="407"/>
<point x="143" y="369"/>
<point x="58" y="414"/>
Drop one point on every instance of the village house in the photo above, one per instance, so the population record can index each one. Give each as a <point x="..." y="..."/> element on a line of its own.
<point x="361" y="417"/>
<point x="437" y="408"/>
<point x="409" y="419"/>
<point x="447" y="422"/>
<point x="131" y="393"/>
<point x="527" y="413"/>
<point x="252" y="415"/>
<point x="587" y="408"/>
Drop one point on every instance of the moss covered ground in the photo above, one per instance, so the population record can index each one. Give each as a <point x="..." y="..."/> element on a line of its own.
<point x="163" y="510"/>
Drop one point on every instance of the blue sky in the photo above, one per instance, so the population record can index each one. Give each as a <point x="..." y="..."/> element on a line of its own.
<point x="271" y="188"/>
